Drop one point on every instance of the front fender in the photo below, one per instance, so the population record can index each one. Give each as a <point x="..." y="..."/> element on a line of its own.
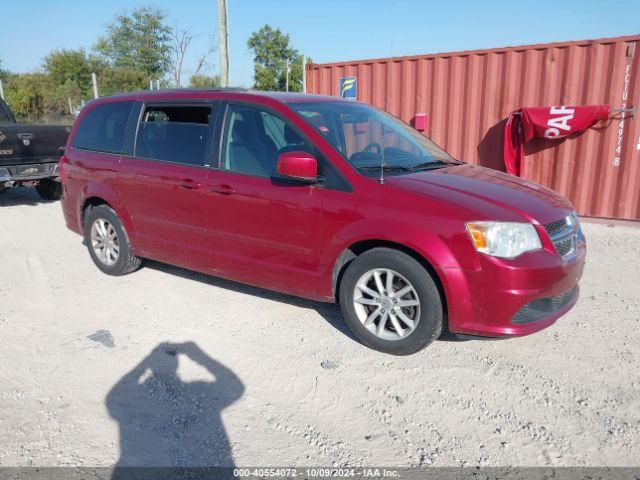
<point x="436" y="248"/>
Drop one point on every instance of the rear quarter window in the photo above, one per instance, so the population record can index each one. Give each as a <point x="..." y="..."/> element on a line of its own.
<point x="103" y="128"/>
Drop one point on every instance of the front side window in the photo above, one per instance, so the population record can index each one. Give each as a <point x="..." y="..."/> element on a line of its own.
<point x="103" y="128"/>
<point x="370" y="139"/>
<point x="174" y="133"/>
<point x="254" y="138"/>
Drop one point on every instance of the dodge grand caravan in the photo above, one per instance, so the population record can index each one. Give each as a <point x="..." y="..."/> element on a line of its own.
<point x="322" y="198"/>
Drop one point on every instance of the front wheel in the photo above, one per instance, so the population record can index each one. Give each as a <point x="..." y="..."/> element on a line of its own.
<point x="49" y="189"/>
<point x="390" y="302"/>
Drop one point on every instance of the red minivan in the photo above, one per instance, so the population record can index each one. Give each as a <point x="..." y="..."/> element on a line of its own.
<point x="322" y="198"/>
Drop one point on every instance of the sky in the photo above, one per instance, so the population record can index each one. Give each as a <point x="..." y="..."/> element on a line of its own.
<point x="325" y="30"/>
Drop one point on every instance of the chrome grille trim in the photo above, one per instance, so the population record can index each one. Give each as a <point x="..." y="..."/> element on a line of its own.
<point x="564" y="235"/>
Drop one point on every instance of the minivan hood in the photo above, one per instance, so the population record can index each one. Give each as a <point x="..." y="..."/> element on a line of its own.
<point x="485" y="188"/>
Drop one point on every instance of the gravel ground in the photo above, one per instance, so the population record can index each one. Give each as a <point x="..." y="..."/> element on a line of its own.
<point x="250" y="377"/>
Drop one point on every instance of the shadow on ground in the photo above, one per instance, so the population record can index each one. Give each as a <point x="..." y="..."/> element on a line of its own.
<point x="21" y="196"/>
<point x="329" y="311"/>
<point x="166" y="422"/>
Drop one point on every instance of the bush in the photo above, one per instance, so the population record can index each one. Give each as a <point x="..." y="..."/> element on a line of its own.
<point x="204" y="81"/>
<point x="34" y="95"/>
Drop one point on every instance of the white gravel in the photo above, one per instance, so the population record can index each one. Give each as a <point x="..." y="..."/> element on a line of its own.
<point x="291" y="386"/>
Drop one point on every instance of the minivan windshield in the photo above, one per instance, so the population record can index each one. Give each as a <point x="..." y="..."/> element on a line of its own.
<point x="371" y="140"/>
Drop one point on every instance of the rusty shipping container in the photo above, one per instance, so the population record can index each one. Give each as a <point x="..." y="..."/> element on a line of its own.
<point x="468" y="96"/>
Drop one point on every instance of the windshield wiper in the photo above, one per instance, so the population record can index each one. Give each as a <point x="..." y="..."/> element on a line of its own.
<point x="433" y="164"/>
<point x="386" y="168"/>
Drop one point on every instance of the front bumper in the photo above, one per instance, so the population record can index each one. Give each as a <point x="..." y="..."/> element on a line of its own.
<point x="513" y="297"/>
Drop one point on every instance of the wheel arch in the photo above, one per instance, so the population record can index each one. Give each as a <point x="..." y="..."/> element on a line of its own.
<point x="359" y="247"/>
<point x="90" y="203"/>
<point x="98" y="194"/>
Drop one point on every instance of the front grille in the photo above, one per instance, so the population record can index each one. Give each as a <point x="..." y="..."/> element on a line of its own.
<point x="564" y="235"/>
<point x="557" y="227"/>
<point x="542" y="308"/>
<point x="566" y="246"/>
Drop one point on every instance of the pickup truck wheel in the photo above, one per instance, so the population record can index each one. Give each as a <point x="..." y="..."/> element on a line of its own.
<point x="108" y="242"/>
<point x="49" y="189"/>
<point x="390" y="302"/>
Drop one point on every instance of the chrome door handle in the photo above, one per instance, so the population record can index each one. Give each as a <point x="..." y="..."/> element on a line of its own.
<point x="189" y="184"/>
<point x="223" y="189"/>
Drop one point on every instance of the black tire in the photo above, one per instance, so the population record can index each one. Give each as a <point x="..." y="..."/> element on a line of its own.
<point x="127" y="262"/>
<point x="430" y="318"/>
<point x="49" y="189"/>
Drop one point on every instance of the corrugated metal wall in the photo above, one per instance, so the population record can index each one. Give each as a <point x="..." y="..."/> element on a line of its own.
<point x="468" y="96"/>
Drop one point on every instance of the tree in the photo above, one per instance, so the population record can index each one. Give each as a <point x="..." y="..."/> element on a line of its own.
<point x="70" y="66"/>
<point x="121" y="79"/>
<point x="271" y="52"/>
<point x="32" y="96"/>
<point x="139" y="41"/>
<point x="181" y="41"/>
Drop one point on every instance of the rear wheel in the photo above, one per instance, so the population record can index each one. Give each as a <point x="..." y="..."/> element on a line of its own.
<point x="49" y="189"/>
<point x="108" y="242"/>
<point x="390" y="302"/>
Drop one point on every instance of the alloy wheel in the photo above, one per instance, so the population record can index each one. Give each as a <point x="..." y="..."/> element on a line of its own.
<point x="104" y="241"/>
<point x="387" y="304"/>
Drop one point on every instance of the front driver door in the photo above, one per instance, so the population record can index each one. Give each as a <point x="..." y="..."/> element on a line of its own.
<point x="264" y="230"/>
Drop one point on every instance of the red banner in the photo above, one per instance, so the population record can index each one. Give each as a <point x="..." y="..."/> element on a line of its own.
<point x="546" y="122"/>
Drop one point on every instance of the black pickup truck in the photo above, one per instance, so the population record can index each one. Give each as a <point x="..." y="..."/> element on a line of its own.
<point x="29" y="155"/>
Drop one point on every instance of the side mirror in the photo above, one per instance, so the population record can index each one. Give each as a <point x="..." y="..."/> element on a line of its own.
<point x="300" y="165"/>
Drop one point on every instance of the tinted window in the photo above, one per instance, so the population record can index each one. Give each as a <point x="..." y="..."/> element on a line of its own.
<point x="254" y="138"/>
<point x="103" y="128"/>
<point x="174" y="133"/>
<point x="5" y="116"/>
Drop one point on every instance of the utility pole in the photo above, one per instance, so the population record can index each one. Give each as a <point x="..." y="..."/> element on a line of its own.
<point x="1" y="90"/>
<point x="95" y="85"/>
<point x="304" y="74"/>
<point x="286" y="78"/>
<point x="224" y="52"/>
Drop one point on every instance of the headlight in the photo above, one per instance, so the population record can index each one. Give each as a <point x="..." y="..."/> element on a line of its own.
<point x="504" y="239"/>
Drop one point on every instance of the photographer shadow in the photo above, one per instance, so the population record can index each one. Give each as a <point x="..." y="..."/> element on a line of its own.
<point x="166" y="422"/>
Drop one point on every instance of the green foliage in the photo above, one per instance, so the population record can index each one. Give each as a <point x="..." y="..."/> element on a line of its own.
<point x="33" y="95"/>
<point x="70" y="66"/>
<point x="204" y="81"/>
<point x="135" y="48"/>
<point x="138" y="41"/>
<point x="271" y="51"/>
<point x="116" y="80"/>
